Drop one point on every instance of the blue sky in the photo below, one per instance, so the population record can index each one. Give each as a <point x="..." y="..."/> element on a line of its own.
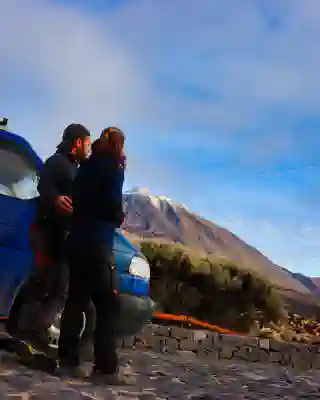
<point x="220" y="101"/>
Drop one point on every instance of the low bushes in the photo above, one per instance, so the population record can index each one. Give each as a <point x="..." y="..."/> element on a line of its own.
<point x="211" y="289"/>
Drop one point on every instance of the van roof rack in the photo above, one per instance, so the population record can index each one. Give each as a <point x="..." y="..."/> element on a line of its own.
<point x="3" y="123"/>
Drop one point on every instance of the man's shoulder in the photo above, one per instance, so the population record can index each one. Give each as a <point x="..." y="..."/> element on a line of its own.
<point x="56" y="159"/>
<point x="57" y="164"/>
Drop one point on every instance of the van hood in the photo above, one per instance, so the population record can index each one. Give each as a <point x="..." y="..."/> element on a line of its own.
<point x="123" y="245"/>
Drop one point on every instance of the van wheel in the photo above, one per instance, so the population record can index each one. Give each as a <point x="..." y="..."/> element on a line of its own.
<point x="12" y="324"/>
<point x="54" y="329"/>
<point x="86" y="333"/>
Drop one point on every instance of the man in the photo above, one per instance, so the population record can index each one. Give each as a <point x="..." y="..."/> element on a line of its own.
<point x="46" y="287"/>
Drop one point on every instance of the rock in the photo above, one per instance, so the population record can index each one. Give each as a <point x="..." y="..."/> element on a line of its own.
<point x="276" y="346"/>
<point x="199" y="335"/>
<point x="266" y="332"/>
<point x="264" y="344"/>
<point x="162" y="330"/>
<point x="170" y="346"/>
<point x="288" y="336"/>
<point x="227" y="352"/>
<point x="303" y="339"/>
<point x="230" y="340"/>
<point x="188" y="344"/>
<point x="157" y="343"/>
<point x="275" y="357"/>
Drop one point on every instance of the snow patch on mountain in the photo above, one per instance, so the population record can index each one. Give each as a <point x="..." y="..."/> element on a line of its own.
<point x="160" y="202"/>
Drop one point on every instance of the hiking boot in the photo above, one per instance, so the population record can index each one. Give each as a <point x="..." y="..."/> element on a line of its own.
<point x="38" y="340"/>
<point x="66" y="371"/>
<point x="35" y="343"/>
<point x="116" y="379"/>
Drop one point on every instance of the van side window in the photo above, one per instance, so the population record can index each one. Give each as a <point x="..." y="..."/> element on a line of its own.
<point x="17" y="178"/>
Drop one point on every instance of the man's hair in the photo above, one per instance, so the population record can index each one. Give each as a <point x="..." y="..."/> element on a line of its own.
<point x="72" y="133"/>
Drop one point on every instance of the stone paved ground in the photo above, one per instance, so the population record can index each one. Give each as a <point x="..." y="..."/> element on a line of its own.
<point x="161" y="376"/>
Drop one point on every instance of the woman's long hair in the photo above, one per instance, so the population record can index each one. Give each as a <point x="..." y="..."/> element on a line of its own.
<point x="110" y="143"/>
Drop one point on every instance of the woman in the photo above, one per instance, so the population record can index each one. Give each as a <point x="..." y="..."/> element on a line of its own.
<point x="97" y="211"/>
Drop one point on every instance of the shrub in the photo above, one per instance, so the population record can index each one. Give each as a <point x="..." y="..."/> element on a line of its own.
<point x="211" y="289"/>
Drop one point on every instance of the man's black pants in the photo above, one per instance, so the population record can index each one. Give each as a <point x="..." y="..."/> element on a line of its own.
<point x="90" y="279"/>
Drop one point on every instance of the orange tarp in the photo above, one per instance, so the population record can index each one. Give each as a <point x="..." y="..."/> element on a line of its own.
<point x="194" y="322"/>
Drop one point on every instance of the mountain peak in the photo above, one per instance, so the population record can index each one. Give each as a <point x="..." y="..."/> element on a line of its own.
<point x="139" y="190"/>
<point x="155" y="199"/>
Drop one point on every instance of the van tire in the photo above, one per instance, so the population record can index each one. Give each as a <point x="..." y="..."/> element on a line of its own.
<point x="12" y="323"/>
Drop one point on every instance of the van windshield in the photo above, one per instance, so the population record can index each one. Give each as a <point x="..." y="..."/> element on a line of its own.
<point x="17" y="178"/>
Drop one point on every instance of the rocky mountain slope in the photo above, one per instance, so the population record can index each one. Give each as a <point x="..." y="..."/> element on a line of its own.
<point x="316" y="282"/>
<point x="310" y="283"/>
<point x="158" y="217"/>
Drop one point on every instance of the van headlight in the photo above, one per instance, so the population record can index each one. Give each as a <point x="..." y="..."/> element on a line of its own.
<point x="139" y="267"/>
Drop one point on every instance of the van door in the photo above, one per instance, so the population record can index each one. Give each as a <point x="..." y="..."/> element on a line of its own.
<point x="18" y="197"/>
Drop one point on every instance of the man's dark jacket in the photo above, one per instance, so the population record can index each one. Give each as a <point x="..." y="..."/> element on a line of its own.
<point x="56" y="179"/>
<point x="97" y="199"/>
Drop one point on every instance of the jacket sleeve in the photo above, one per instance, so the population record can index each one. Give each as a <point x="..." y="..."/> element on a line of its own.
<point x="113" y="193"/>
<point x="48" y="180"/>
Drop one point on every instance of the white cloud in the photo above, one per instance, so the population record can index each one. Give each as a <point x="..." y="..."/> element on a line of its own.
<point x="229" y="49"/>
<point x="84" y="72"/>
<point x="140" y="62"/>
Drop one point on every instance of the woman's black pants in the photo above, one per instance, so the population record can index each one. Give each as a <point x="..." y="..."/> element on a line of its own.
<point x="90" y="280"/>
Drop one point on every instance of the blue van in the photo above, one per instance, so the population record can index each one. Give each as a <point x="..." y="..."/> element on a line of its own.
<point x="19" y="167"/>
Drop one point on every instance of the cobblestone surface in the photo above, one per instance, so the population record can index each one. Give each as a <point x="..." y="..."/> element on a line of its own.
<point x="164" y="376"/>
